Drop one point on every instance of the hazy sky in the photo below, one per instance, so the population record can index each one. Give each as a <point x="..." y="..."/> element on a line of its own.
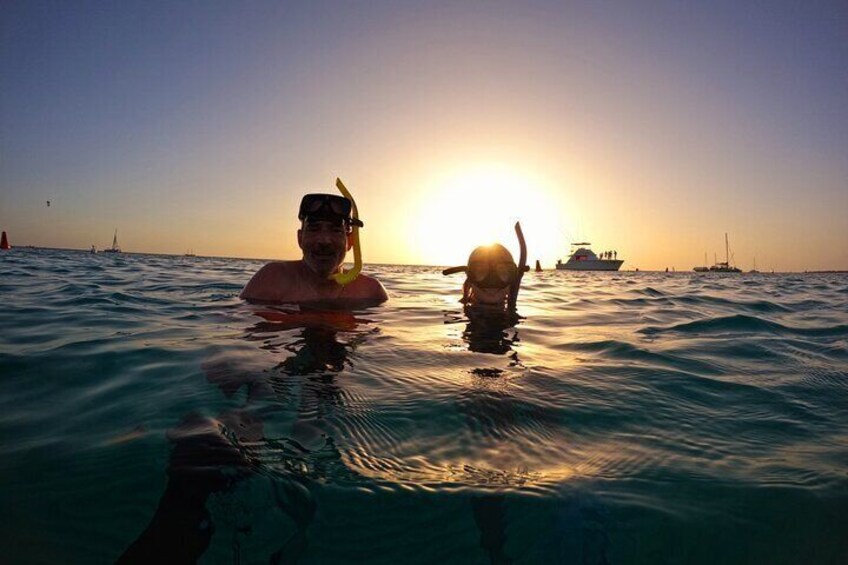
<point x="649" y="128"/>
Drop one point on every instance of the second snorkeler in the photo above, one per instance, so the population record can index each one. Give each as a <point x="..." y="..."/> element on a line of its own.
<point x="492" y="277"/>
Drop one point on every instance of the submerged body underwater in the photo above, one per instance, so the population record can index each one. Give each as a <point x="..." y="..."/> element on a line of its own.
<point x="621" y="418"/>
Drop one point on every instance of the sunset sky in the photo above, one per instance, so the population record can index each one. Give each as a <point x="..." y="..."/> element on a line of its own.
<point x="649" y="128"/>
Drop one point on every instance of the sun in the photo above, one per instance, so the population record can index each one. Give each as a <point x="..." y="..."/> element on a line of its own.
<point x="480" y="205"/>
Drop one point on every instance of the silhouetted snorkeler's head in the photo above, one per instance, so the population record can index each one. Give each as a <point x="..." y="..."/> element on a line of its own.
<point x="327" y="208"/>
<point x="491" y="266"/>
<point x="491" y="273"/>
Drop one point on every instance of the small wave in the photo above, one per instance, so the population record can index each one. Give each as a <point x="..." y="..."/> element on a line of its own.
<point x="619" y="350"/>
<point x="650" y="291"/>
<point x="740" y="323"/>
<point x="757" y="306"/>
<point x="640" y="302"/>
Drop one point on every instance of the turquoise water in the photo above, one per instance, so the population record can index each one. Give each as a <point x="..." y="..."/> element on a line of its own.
<point x="625" y="418"/>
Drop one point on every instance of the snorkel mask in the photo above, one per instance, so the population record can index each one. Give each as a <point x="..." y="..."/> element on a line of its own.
<point x="327" y="207"/>
<point x="486" y="271"/>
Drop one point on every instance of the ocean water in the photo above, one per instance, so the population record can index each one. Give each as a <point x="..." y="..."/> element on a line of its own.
<point x="623" y="418"/>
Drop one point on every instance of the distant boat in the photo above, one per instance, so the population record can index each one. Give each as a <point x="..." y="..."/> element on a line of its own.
<point x="725" y="267"/>
<point x="584" y="259"/>
<point x="190" y="253"/>
<point x="114" y="248"/>
<point x="703" y="269"/>
<point x="93" y="250"/>
<point x="754" y="270"/>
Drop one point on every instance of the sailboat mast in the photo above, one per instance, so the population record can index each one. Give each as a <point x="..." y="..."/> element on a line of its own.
<point x="726" y="250"/>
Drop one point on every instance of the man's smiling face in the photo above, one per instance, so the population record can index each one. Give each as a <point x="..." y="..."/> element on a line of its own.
<point x="324" y="244"/>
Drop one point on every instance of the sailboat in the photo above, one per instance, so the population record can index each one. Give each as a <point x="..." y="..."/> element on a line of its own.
<point x="725" y="266"/>
<point x="114" y="248"/>
<point x="703" y="269"/>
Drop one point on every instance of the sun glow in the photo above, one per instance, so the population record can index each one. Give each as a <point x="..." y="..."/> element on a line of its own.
<point x="479" y="206"/>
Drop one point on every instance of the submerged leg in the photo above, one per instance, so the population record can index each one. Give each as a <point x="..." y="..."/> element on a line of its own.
<point x="202" y="463"/>
<point x="490" y="516"/>
<point x="296" y="501"/>
<point x="180" y="530"/>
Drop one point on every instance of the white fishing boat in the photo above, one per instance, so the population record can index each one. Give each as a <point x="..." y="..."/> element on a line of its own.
<point x="584" y="259"/>
<point x="114" y="248"/>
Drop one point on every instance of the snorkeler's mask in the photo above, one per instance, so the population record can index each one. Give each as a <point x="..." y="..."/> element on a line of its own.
<point x="328" y="207"/>
<point x="487" y="274"/>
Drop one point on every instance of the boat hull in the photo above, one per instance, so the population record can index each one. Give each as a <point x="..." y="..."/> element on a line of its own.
<point x="591" y="265"/>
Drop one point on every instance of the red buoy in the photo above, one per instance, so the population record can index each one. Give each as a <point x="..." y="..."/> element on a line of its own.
<point x="4" y="242"/>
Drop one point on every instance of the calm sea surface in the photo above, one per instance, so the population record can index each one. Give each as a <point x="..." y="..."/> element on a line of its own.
<point x="625" y="418"/>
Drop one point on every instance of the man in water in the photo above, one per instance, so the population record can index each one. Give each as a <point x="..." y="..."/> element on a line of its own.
<point x="325" y="236"/>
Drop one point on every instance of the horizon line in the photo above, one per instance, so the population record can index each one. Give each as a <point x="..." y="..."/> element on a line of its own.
<point x="635" y="270"/>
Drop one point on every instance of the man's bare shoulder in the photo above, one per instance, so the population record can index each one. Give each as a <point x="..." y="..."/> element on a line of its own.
<point x="368" y="288"/>
<point x="268" y="283"/>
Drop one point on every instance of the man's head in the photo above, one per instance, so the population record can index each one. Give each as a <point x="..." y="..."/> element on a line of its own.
<point x="324" y="234"/>
<point x="491" y="271"/>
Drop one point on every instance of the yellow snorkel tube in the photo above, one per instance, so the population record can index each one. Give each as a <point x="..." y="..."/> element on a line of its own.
<point x="350" y="276"/>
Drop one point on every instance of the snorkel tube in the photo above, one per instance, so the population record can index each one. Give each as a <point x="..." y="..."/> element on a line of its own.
<point x="350" y="276"/>
<point x="522" y="267"/>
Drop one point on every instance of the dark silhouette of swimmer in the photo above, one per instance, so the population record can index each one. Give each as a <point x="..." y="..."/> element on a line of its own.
<point x="490" y="294"/>
<point x="203" y="461"/>
<point x="492" y="277"/>
<point x="210" y="456"/>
